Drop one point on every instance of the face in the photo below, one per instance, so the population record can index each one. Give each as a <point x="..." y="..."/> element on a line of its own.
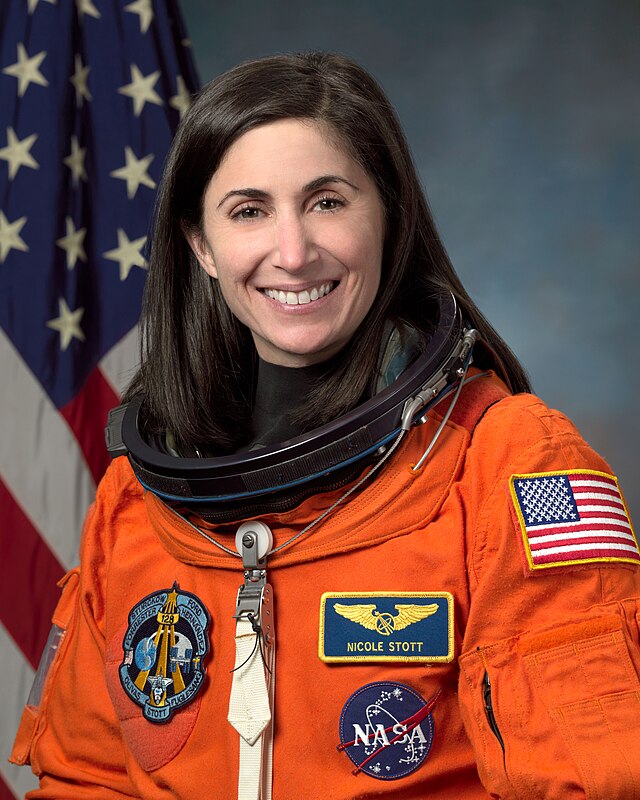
<point x="293" y="231"/>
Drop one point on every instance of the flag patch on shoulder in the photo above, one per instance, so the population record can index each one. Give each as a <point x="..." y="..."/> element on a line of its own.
<point x="574" y="517"/>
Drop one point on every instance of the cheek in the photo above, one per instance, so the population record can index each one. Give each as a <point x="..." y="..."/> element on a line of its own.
<point x="229" y="270"/>
<point x="370" y="290"/>
<point x="367" y="258"/>
<point x="232" y="293"/>
<point x="236" y="258"/>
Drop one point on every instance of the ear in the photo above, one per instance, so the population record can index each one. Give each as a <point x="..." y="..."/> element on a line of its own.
<point x="202" y="251"/>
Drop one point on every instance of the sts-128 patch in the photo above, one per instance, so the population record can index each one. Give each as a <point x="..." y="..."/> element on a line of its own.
<point x="164" y="650"/>
<point x="386" y="626"/>
<point x="386" y="729"/>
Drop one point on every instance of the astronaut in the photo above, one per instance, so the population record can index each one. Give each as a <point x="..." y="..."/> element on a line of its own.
<point x="400" y="572"/>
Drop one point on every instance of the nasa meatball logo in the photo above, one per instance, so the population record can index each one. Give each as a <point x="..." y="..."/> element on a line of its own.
<point x="164" y="650"/>
<point x="386" y="729"/>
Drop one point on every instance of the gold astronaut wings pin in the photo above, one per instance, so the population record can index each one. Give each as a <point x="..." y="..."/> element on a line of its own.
<point x="369" y="617"/>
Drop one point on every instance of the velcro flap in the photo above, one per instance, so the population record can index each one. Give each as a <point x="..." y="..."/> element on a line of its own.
<point x="24" y="737"/>
<point x="64" y="610"/>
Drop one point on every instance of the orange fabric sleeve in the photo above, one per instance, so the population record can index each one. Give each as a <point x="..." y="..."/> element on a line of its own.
<point x="72" y="739"/>
<point x="549" y="685"/>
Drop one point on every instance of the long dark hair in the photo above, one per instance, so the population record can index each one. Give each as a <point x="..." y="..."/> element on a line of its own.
<point x="198" y="361"/>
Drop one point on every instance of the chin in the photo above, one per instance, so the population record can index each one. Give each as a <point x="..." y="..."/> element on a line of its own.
<point x="298" y="356"/>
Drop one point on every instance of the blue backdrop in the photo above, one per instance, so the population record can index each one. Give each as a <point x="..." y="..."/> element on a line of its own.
<point x="524" y="120"/>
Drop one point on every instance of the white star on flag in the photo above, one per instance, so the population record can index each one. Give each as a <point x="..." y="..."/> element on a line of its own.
<point x="79" y="80"/>
<point x="182" y="100"/>
<point x="27" y="70"/>
<point x="10" y="236"/>
<point x="144" y="10"/>
<point x="73" y="244"/>
<point x="87" y="7"/>
<point x="75" y="161"/>
<point x="127" y="254"/>
<point x="141" y="89"/>
<point x="17" y="154"/>
<point x="134" y="172"/>
<point x="32" y="4"/>
<point x="67" y="324"/>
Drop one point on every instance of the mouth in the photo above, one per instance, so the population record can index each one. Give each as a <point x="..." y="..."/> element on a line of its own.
<point x="302" y="298"/>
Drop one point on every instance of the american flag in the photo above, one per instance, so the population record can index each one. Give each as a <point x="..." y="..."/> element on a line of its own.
<point x="91" y="92"/>
<point x="573" y="518"/>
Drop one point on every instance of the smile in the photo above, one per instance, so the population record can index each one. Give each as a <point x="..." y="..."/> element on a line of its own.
<point x="300" y="298"/>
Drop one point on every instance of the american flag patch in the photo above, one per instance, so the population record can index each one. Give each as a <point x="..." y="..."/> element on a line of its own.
<point x="574" y="517"/>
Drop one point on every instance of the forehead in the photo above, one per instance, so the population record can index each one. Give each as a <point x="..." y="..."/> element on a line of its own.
<point x="285" y="148"/>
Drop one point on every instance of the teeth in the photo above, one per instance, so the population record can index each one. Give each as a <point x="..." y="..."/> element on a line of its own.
<point x="300" y="298"/>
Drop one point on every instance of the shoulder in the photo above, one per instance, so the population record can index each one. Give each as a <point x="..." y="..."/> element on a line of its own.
<point x="522" y="431"/>
<point x="119" y="483"/>
<point x="119" y="496"/>
<point x="534" y="479"/>
<point x="518" y="438"/>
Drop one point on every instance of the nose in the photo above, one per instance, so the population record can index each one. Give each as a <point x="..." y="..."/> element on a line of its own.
<point x="294" y="248"/>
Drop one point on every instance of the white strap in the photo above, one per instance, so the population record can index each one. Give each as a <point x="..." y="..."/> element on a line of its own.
<point x="249" y="771"/>
<point x="249" y="710"/>
<point x="267" y="736"/>
<point x="250" y="706"/>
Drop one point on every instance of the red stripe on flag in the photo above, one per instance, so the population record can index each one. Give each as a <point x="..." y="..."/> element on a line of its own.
<point x="585" y="540"/>
<point x="559" y="558"/>
<point x="599" y="501"/>
<point x="614" y="505"/>
<point x="614" y="516"/>
<point x="5" y="791"/>
<point x="593" y="478"/>
<point x="29" y="572"/>
<point x="591" y="490"/>
<point x="86" y="415"/>
<point x="594" y="526"/>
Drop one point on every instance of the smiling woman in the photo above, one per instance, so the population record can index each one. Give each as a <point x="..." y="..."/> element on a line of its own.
<point x="242" y="152"/>
<point x="298" y="254"/>
<point x="454" y="577"/>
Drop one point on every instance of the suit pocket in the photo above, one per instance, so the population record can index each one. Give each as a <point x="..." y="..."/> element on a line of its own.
<point x="587" y="679"/>
<point x="33" y="713"/>
<point x="564" y="709"/>
<point x="153" y="745"/>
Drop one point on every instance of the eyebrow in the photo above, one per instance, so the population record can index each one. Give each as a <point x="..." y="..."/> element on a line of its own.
<point x="316" y="183"/>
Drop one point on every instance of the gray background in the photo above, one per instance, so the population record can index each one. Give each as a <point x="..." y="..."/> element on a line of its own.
<point x="524" y="120"/>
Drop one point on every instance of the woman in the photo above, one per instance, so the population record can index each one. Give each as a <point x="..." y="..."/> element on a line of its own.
<point x="440" y="571"/>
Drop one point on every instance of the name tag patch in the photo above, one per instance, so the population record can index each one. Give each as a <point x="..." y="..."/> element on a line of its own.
<point x="380" y="626"/>
<point x="386" y="729"/>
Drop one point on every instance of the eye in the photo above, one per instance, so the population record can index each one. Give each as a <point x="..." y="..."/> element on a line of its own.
<point x="328" y="203"/>
<point x="246" y="212"/>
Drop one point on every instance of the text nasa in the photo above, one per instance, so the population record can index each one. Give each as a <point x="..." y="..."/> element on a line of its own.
<point x="377" y="736"/>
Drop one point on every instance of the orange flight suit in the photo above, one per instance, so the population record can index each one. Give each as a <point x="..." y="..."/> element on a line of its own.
<point x="558" y="644"/>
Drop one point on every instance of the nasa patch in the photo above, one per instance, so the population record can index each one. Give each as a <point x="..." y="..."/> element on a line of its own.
<point x="386" y="729"/>
<point x="164" y="650"/>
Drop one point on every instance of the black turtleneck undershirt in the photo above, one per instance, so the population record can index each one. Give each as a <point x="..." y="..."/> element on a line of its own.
<point x="280" y="392"/>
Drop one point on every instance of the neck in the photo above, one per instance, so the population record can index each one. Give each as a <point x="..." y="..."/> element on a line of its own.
<point x="280" y="393"/>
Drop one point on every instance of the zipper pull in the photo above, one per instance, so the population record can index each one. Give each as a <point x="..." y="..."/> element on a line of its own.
<point x="488" y="709"/>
